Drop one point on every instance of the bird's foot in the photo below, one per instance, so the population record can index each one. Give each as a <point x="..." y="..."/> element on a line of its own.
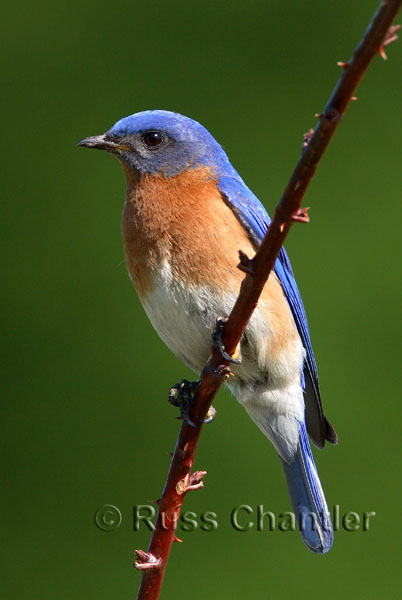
<point x="182" y="395"/>
<point x="217" y="340"/>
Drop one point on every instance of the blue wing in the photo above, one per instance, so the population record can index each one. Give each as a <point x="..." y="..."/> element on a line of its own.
<point x="255" y="219"/>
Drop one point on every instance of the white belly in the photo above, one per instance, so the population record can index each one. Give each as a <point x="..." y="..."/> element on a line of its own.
<point x="184" y="317"/>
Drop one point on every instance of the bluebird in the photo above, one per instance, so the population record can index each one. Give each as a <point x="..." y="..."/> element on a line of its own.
<point x="187" y="213"/>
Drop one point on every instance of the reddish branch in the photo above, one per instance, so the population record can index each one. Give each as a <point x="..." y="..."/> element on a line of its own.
<point x="257" y="269"/>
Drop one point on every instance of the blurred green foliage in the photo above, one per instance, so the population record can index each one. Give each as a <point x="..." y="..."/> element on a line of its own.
<point x="85" y="415"/>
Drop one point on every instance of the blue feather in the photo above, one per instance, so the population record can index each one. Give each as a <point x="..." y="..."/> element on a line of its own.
<point x="308" y="499"/>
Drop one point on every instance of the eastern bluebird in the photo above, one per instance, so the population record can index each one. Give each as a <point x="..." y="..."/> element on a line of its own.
<point x="186" y="215"/>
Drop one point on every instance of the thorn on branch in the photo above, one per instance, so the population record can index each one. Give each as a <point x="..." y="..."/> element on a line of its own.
<point x="389" y="39"/>
<point x="301" y="215"/>
<point x="176" y="539"/>
<point x="246" y="264"/>
<point x="157" y="501"/>
<point x="307" y="137"/>
<point x="195" y="481"/>
<point x="146" y="560"/>
<point x="190" y="482"/>
<point x="382" y="53"/>
<point x="342" y="64"/>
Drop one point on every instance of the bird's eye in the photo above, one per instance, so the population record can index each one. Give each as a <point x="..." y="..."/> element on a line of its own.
<point x="153" y="138"/>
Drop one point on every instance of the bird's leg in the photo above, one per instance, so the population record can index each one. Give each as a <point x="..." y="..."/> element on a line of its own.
<point x="217" y="340"/>
<point x="182" y="395"/>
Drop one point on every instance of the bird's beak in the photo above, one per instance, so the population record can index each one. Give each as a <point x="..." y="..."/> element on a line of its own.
<point x="100" y="142"/>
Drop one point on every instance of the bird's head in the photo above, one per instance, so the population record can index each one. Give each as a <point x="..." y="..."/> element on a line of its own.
<point x="159" y="141"/>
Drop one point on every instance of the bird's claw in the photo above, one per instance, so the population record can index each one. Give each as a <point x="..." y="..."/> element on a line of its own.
<point x="182" y="395"/>
<point x="217" y="340"/>
<point x="211" y="414"/>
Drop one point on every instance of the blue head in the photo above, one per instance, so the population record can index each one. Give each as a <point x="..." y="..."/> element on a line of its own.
<point x="159" y="141"/>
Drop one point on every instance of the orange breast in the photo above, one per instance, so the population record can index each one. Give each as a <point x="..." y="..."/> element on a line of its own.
<point x="184" y="222"/>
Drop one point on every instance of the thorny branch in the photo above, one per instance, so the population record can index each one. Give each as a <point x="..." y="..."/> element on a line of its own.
<point x="378" y="35"/>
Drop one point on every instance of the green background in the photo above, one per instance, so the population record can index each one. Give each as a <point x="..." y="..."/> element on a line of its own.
<point x="85" y="415"/>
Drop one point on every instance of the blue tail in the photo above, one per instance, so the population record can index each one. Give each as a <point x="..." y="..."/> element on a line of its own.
<point x="308" y="499"/>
